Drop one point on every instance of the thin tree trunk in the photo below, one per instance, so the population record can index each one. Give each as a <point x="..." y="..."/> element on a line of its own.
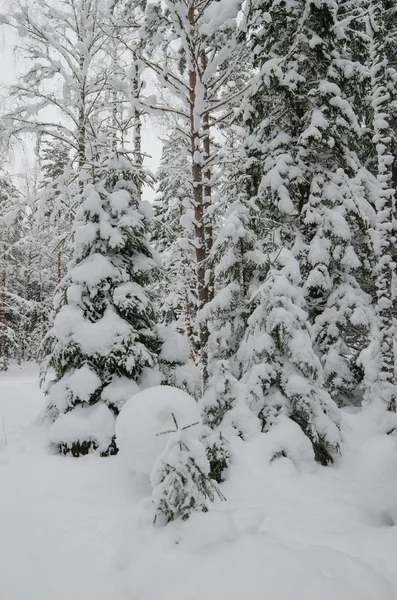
<point x="81" y="133"/>
<point x="137" y="126"/>
<point x="3" y="315"/>
<point x="188" y="320"/>
<point x="81" y="138"/>
<point x="59" y="263"/>
<point x="197" y="173"/>
<point x="59" y="269"/>
<point x="207" y="192"/>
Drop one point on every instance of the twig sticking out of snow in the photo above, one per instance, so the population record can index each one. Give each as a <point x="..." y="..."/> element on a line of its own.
<point x="4" y="432"/>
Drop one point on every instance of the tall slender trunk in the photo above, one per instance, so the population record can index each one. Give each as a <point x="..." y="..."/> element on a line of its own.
<point x="59" y="269"/>
<point x="114" y="121"/>
<point x="199" y="213"/>
<point x="137" y="125"/>
<point x="188" y="319"/>
<point x="81" y="125"/>
<point x="59" y="262"/>
<point x="207" y="191"/>
<point x="3" y="348"/>
<point x="81" y="138"/>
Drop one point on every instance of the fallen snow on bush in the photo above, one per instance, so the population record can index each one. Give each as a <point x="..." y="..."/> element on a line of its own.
<point x="290" y="529"/>
<point x="84" y="424"/>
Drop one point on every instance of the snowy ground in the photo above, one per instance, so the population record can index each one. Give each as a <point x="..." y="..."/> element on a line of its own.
<point x="81" y="529"/>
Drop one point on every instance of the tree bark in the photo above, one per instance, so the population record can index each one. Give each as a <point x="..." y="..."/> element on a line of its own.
<point x="207" y="192"/>
<point x="137" y="126"/>
<point x="188" y="319"/>
<point x="3" y="314"/>
<point x="199" y="213"/>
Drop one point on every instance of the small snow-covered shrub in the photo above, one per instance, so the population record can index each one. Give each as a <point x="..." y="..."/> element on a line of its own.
<point x="176" y="363"/>
<point x="226" y="414"/>
<point x="180" y="476"/>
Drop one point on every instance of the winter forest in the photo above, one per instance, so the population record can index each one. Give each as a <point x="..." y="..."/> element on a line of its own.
<point x="198" y="358"/>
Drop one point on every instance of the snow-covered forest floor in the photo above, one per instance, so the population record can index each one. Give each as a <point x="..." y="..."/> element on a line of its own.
<point x="82" y="528"/>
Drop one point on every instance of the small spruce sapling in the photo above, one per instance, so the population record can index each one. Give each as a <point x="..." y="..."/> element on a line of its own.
<point x="180" y="477"/>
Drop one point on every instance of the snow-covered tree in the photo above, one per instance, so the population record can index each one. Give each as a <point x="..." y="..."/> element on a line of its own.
<point x="191" y="47"/>
<point x="104" y="330"/>
<point x="172" y="236"/>
<point x="65" y="46"/>
<point x="125" y="20"/>
<point x="237" y="257"/>
<point x="54" y="202"/>
<point x="180" y="477"/>
<point x="306" y="174"/>
<point x="11" y="299"/>
<point x="283" y="375"/>
<point x="32" y="283"/>
<point x="381" y="361"/>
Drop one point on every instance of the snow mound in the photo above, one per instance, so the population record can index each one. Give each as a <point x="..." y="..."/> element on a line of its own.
<point x="118" y="391"/>
<point x="175" y="347"/>
<point x="287" y="439"/>
<point x="147" y="414"/>
<point x="84" y="424"/>
<point x="83" y="383"/>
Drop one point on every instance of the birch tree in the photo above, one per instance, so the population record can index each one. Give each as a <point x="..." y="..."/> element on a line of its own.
<point x="64" y="44"/>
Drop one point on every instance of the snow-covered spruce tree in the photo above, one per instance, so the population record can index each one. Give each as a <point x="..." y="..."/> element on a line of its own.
<point x="237" y="256"/>
<point x="176" y="363"/>
<point x="104" y="339"/>
<point x="172" y="236"/>
<point x="306" y="174"/>
<point x="381" y="360"/>
<point x="180" y="477"/>
<point x="283" y="375"/>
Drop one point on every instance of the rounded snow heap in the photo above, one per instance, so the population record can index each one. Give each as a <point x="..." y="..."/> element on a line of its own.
<point x="145" y="416"/>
